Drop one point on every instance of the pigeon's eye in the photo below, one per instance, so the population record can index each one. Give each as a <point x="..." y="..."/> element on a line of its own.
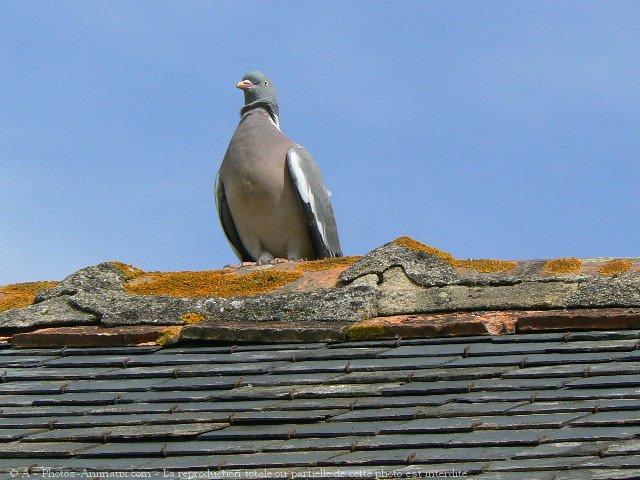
<point x="266" y="83"/>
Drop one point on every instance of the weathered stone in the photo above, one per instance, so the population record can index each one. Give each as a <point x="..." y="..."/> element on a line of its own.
<point x="56" y="311"/>
<point x="89" y="336"/>
<point x="592" y="319"/>
<point x="98" y="278"/>
<point x="438" y="325"/>
<point x="400" y="295"/>
<point x="267" y="332"/>
<point x="615" y="291"/>
<point x="419" y="266"/>
<point x="121" y="309"/>
<point x="346" y="304"/>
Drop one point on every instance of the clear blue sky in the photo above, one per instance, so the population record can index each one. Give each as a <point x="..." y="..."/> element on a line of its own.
<point x="488" y="129"/>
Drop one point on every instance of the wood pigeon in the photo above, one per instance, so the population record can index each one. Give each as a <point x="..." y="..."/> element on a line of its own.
<point x="271" y="197"/>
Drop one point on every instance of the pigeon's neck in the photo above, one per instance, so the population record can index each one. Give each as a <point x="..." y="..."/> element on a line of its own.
<point x="271" y="109"/>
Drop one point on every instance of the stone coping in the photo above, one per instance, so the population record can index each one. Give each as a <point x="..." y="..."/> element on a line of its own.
<point x="402" y="289"/>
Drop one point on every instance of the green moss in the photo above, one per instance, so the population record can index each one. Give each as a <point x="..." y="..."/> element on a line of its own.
<point x="327" y="263"/>
<point x="614" y="267"/>
<point x="563" y="265"/>
<point x="20" y="295"/>
<point x="213" y="283"/>
<point x="169" y="335"/>
<point x="366" y="329"/>
<point x="480" y="265"/>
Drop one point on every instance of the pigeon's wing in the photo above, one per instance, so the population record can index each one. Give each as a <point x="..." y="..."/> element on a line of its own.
<point x="228" y="225"/>
<point x="315" y="201"/>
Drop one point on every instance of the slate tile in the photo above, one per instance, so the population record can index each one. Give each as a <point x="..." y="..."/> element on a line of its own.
<point x="632" y="380"/>
<point x="510" y="422"/>
<point x="195" y="383"/>
<point x="124" y="350"/>
<point x="193" y="370"/>
<point x="495" y="438"/>
<point x="447" y="350"/>
<point x="289" y="379"/>
<point x="620" y="461"/>
<point x="8" y="434"/>
<point x="90" y="421"/>
<point x="417" y="456"/>
<point x="595" y="346"/>
<point x="397" y="414"/>
<point x="17" y="400"/>
<point x="21" y="352"/>
<point x="540" y="359"/>
<point x="456" y="409"/>
<point x="441" y="470"/>
<point x="140" y="385"/>
<point x="288" y="431"/>
<point x="24" y="361"/>
<point x="528" y="338"/>
<point x="35" y="450"/>
<point x="255" y="460"/>
<point x="562" y="449"/>
<point x="141" y="432"/>
<point x="620" y="368"/>
<point x="7" y="423"/>
<point x="363" y="365"/>
<point x="36" y="412"/>
<point x="605" y="335"/>
<point x="433" y="425"/>
<point x="93" y="398"/>
<point x="175" y="396"/>
<point x="279" y="416"/>
<point x="395" y="441"/>
<point x="539" y="464"/>
<point x="301" y="391"/>
<point x="479" y="397"/>
<point x="15" y="374"/>
<point x="509" y="384"/>
<point x="346" y="353"/>
<point x="594" y="474"/>
<point x="94" y="467"/>
<point x="311" y="444"/>
<point x="517" y="476"/>
<point x="578" y="406"/>
<point x="625" y="447"/>
<point x="429" y="388"/>
<point x="89" y="361"/>
<point x="614" y="418"/>
<point x="589" y="434"/>
<point x="124" y="449"/>
<point x="314" y="403"/>
<point x="33" y="388"/>
<point x="211" y="447"/>
<point x="588" y="393"/>
<point x="403" y="400"/>
<point x="571" y="370"/>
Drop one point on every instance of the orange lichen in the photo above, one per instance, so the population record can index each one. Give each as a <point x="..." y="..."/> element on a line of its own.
<point x="129" y="270"/>
<point x="193" y="317"/>
<point x="563" y="265"/>
<point x="614" y="267"/>
<point x="327" y="263"/>
<point x="481" y="265"/>
<point x="214" y="283"/>
<point x="21" y="295"/>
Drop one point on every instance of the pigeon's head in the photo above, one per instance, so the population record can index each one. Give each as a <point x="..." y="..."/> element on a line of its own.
<point x="258" y="89"/>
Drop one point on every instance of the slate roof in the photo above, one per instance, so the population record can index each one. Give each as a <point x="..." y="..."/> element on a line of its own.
<point x="532" y="406"/>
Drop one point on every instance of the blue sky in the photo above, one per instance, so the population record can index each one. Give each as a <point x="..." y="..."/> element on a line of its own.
<point x="488" y="129"/>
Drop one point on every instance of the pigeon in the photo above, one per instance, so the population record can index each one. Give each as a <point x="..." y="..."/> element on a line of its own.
<point x="270" y="194"/>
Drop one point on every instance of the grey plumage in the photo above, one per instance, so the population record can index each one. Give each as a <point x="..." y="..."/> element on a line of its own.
<point x="271" y="197"/>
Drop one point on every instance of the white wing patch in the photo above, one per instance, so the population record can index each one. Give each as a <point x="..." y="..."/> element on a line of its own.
<point x="305" y="191"/>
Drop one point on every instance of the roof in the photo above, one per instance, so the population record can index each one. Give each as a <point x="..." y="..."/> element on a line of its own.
<point x="407" y="362"/>
<point x="544" y="405"/>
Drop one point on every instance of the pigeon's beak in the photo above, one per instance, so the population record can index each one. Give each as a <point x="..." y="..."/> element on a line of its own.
<point x="244" y="84"/>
